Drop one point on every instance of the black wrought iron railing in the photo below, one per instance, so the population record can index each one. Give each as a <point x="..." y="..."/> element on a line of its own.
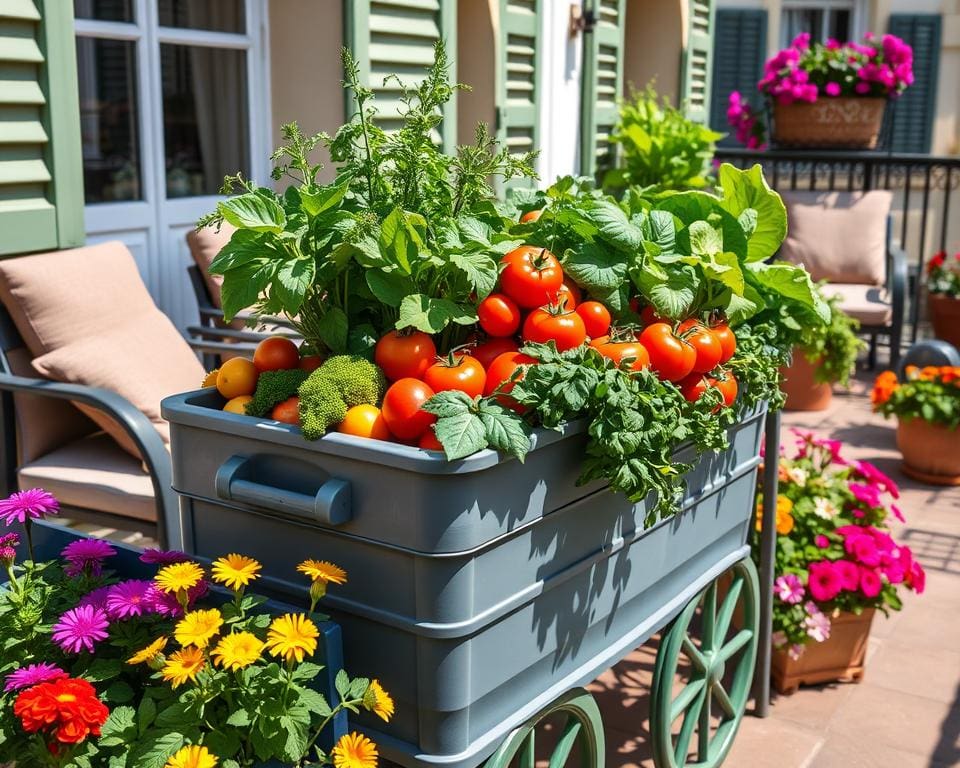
<point x="926" y="206"/>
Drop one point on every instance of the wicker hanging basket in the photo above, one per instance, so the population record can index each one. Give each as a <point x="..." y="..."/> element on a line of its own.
<point x="829" y="123"/>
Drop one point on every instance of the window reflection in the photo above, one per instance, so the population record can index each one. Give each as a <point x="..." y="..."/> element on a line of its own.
<point x="104" y="10"/>
<point x="214" y="15"/>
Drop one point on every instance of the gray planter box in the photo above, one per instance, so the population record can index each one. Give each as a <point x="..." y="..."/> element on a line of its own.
<point x="478" y="590"/>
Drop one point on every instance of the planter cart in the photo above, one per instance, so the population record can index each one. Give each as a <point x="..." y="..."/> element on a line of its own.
<point x="485" y="592"/>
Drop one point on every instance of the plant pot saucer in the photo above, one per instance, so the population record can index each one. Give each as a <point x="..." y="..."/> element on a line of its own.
<point x="928" y="477"/>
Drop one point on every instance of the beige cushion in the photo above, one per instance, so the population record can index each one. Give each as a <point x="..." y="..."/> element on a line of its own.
<point x="43" y="423"/>
<point x="867" y="303"/>
<point x="87" y="318"/>
<point x="93" y="473"/>
<point x="838" y="236"/>
<point x="204" y="245"/>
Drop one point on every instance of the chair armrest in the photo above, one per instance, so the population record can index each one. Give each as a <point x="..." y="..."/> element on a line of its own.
<point x="134" y="423"/>
<point x="897" y="281"/>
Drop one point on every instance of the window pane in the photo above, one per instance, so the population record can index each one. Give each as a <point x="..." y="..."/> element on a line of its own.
<point x="797" y="20"/>
<point x="205" y="117"/>
<point x="839" y="26"/>
<point x="104" y="10"/>
<point x="216" y="15"/>
<point x="107" y="71"/>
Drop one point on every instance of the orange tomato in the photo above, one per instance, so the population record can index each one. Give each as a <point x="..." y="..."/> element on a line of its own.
<point x="236" y="404"/>
<point x="276" y="353"/>
<point x="531" y="215"/>
<point x="238" y="376"/>
<point x="287" y="412"/>
<point x="365" y="421"/>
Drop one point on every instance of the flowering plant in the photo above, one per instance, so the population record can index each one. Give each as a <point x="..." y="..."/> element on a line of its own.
<point x="747" y="123"/>
<point x="834" y="552"/>
<point x="184" y="670"/>
<point x="930" y="393"/>
<point x="943" y="275"/>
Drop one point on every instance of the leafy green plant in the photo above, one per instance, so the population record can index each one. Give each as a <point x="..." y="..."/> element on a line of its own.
<point x="833" y="347"/>
<point x="660" y="146"/>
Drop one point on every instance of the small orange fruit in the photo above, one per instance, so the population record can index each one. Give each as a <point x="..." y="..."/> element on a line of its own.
<point x="237" y="376"/>
<point x="210" y="380"/>
<point x="288" y="411"/>
<point x="365" y="421"/>
<point x="236" y="404"/>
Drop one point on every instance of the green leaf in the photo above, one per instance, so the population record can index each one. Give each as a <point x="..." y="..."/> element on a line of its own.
<point x="118" y="693"/>
<point x="746" y="190"/>
<point x="615" y="226"/>
<point x="154" y="751"/>
<point x="451" y="402"/>
<point x="315" y="702"/>
<point x="176" y="716"/>
<point x="239" y="718"/>
<point x="244" y="246"/>
<point x="322" y="199"/>
<point x="479" y="269"/>
<point x="119" y="727"/>
<point x="432" y="315"/>
<point x="253" y="211"/>
<point x="342" y="683"/>
<point x="391" y="286"/>
<point x="671" y="298"/>
<point x="103" y="669"/>
<point x="595" y="268"/>
<point x="506" y="430"/>
<point x="242" y="287"/>
<point x="791" y="282"/>
<point x="226" y="742"/>
<point x="361" y="340"/>
<point x="725" y="268"/>
<point x="332" y="329"/>
<point x="291" y="282"/>
<point x="307" y="671"/>
<point x="663" y="230"/>
<point x="704" y="239"/>
<point x="461" y="434"/>
<point x="146" y="714"/>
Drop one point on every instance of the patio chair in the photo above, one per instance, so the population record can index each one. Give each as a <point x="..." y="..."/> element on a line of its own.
<point x="85" y="358"/>
<point x="845" y="239"/>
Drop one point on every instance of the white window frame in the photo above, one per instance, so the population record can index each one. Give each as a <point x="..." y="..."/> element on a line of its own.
<point x="857" y="8"/>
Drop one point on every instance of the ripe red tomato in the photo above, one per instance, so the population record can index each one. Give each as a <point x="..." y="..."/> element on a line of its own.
<point x="404" y="355"/>
<point x="276" y="353"/>
<point x="618" y="351"/>
<point x="564" y="328"/>
<point x="704" y="341"/>
<point x="531" y="276"/>
<point x="670" y="356"/>
<point x="460" y="372"/>
<point x="531" y="216"/>
<point x="726" y="382"/>
<point x="501" y="370"/>
<point x="489" y="350"/>
<point x="727" y="339"/>
<point x="596" y="318"/>
<point x="310" y="363"/>
<point x="694" y="386"/>
<point x="288" y="411"/>
<point x="428" y="441"/>
<point x="401" y="408"/>
<point x="499" y="315"/>
<point x="649" y="316"/>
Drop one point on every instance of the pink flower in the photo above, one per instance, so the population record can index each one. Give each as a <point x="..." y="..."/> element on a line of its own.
<point x="779" y="639"/>
<point x="868" y="495"/>
<point x="916" y="577"/>
<point x="86" y="556"/>
<point x="816" y="623"/>
<point x="823" y="582"/>
<point x="870" y="583"/>
<point x="97" y="598"/>
<point x="864" y="550"/>
<point x="832" y="89"/>
<point x="874" y="476"/>
<point x="128" y="598"/>
<point x="153" y="556"/>
<point x="8" y="549"/>
<point x="80" y="628"/>
<point x="821" y="541"/>
<point x="801" y="41"/>
<point x="789" y="588"/>
<point x="162" y="603"/>
<point x="33" y="674"/>
<point x="849" y="575"/>
<point x="897" y="513"/>
<point x="28" y="505"/>
<point x="796" y="651"/>
<point x="862" y="87"/>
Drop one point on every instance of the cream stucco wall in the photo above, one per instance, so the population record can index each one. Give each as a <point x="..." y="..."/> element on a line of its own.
<point x="654" y="37"/>
<point x="305" y="72"/>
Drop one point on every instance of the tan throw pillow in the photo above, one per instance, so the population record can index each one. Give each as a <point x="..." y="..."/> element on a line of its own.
<point x="838" y="236"/>
<point x="144" y="361"/>
<point x="204" y="245"/>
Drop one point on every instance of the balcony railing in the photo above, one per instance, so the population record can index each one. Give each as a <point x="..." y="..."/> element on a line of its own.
<point x="926" y="206"/>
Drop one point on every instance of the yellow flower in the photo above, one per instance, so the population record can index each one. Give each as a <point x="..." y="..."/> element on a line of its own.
<point x="321" y="570"/>
<point x="784" y="505"/>
<point x="235" y="571"/>
<point x="192" y="757"/>
<point x="183" y="665"/>
<point x="150" y="652"/>
<point x="178" y="577"/>
<point x="292" y="636"/>
<point x="784" y="516"/>
<point x="378" y="701"/>
<point x="354" y="751"/>
<point x="237" y="651"/>
<point x="198" y="627"/>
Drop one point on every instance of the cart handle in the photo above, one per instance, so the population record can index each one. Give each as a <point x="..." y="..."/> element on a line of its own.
<point x="330" y="505"/>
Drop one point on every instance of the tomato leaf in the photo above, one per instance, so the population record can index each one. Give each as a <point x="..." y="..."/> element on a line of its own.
<point x="244" y="246"/>
<point x="672" y="297"/>
<point x="615" y="226"/>
<point x="450" y="402"/>
<point x="461" y="435"/>
<point x="505" y="429"/>
<point x="432" y="315"/>
<point x="595" y="268"/>
<point x="480" y="270"/>
<point x="253" y="211"/>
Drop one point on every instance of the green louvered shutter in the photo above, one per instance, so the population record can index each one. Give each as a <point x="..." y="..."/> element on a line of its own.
<point x="739" y="50"/>
<point x="914" y="111"/>
<point x="396" y="37"/>
<point x="518" y="86"/>
<point x="41" y="176"/>
<point x="695" y="72"/>
<point x="602" y="83"/>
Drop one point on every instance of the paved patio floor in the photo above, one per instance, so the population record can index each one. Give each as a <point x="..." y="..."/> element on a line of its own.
<point x="906" y="713"/>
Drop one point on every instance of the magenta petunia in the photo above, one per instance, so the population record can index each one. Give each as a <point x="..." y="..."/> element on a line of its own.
<point x="864" y="550"/>
<point x="875" y="477"/>
<point x="79" y="628"/>
<point x="28" y="505"/>
<point x="153" y="556"/>
<point x="849" y="575"/>
<point x="128" y="598"/>
<point x="821" y="541"/>
<point x="869" y="495"/>
<point x="33" y="674"/>
<point x="824" y="581"/>
<point x="917" y="577"/>
<point x="86" y="556"/>
<point x="870" y="583"/>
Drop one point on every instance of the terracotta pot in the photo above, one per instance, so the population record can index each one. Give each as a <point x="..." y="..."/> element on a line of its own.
<point x="931" y="452"/>
<point x="800" y="386"/>
<point x="945" y="317"/>
<point x="841" y="657"/>
<point x="845" y="123"/>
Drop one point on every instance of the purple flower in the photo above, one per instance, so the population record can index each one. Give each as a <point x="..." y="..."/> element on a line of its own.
<point x="153" y="556"/>
<point x="33" y="674"/>
<point x="8" y="548"/>
<point x="80" y="628"/>
<point x="28" y="505"/>
<point x="86" y="556"/>
<point x="97" y="598"/>
<point x="162" y="603"/>
<point x="128" y="598"/>
<point x="789" y="588"/>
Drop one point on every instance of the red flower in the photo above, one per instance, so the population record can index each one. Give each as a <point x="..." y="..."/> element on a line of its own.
<point x="936" y="261"/>
<point x="67" y="709"/>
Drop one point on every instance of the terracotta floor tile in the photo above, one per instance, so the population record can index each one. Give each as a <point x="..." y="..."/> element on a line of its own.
<point x="772" y="743"/>
<point x="933" y="674"/>
<point x="847" y="752"/>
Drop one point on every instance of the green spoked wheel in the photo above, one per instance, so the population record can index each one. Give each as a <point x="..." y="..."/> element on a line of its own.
<point x="581" y="726"/>
<point x="713" y="649"/>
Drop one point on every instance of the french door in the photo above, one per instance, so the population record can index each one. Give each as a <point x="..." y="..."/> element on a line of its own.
<point x="173" y="96"/>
